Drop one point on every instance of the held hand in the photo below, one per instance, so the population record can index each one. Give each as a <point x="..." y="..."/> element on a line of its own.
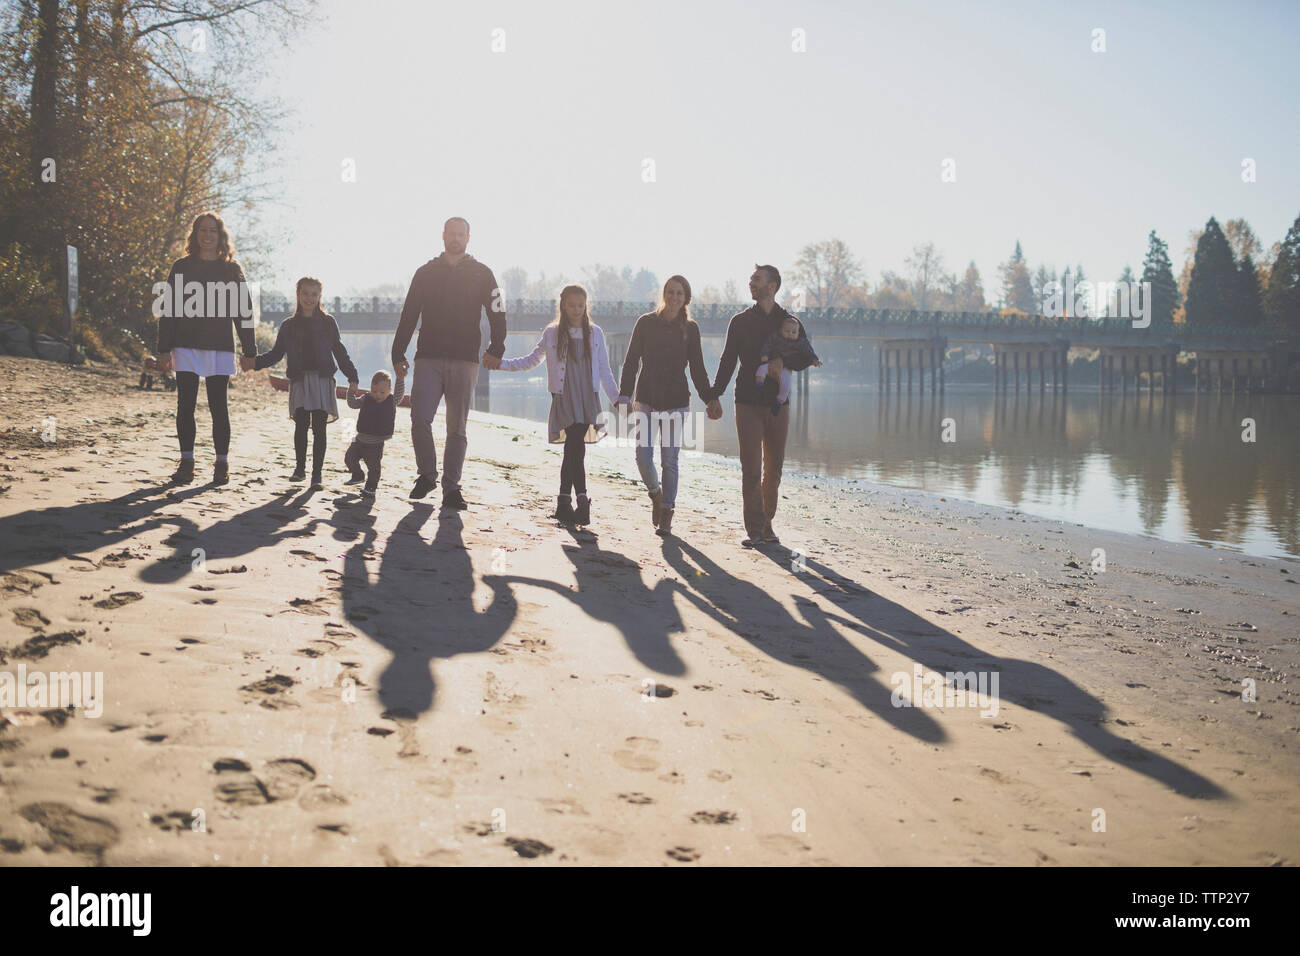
<point x="353" y="390"/>
<point x="490" y="361"/>
<point x="247" y="363"/>
<point x="401" y="368"/>
<point x="165" y="361"/>
<point x="714" y="409"/>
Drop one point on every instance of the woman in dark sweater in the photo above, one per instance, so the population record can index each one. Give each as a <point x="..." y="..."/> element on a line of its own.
<point x="205" y="300"/>
<point x="663" y="344"/>
<point x="310" y="339"/>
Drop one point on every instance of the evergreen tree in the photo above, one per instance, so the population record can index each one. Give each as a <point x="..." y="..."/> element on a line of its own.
<point x="1084" y="304"/>
<point x="1249" y="307"/>
<point x="1283" y="299"/>
<point x="969" y="296"/>
<point x="1040" y="280"/>
<point x="1211" y="292"/>
<point x="1159" y="271"/>
<point x="1017" y="286"/>
<point x="1126" y="280"/>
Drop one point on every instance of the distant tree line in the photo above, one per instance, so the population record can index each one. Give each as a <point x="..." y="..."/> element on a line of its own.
<point x="1228" y="279"/>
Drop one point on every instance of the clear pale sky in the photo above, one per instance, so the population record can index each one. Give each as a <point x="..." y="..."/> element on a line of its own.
<point x="759" y="150"/>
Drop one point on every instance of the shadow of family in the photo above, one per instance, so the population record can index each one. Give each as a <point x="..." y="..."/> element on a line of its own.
<point x="419" y="603"/>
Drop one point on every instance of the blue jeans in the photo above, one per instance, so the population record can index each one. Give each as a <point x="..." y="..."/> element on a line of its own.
<point x="668" y="426"/>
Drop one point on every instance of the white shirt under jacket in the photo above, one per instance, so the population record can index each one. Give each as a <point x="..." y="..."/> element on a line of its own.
<point x="601" y="376"/>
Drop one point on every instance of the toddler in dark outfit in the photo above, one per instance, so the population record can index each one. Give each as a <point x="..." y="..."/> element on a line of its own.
<point x="374" y="427"/>
<point x="790" y="352"/>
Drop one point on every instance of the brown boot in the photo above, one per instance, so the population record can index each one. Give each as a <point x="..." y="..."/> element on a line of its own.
<point x="184" y="472"/>
<point x="665" y="522"/>
<point x="221" y="473"/>
<point x="656" y="506"/>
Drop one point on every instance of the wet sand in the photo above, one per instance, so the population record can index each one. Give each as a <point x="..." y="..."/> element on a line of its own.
<point x="340" y="682"/>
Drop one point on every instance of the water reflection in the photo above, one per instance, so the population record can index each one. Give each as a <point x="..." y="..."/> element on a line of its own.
<point x="1173" y="467"/>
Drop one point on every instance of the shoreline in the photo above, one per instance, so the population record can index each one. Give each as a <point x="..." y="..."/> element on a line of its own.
<point x="353" y="684"/>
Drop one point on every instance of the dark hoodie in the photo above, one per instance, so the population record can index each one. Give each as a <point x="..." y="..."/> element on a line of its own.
<point x="447" y="301"/>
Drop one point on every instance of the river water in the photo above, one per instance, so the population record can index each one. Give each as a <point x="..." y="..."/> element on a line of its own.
<point x="1171" y="467"/>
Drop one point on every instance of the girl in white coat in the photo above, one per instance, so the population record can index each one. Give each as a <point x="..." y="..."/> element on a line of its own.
<point x="577" y="368"/>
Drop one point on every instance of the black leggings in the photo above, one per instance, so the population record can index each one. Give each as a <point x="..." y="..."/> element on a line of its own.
<point x="300" y="419"/>
<point x="187" y="396"/>
<point x="573" y="469"/>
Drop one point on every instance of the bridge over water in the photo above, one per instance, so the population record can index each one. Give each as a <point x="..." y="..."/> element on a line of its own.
<point x="910" y="340"/>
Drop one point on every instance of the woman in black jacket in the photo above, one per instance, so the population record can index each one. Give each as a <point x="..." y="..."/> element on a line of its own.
<point x="310" y="338"/>
<point x="205" y="299"/>
<point x="663" y="344"/>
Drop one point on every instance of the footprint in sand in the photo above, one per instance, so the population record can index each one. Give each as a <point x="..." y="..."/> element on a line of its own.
<point x="636" y="799"/>
<point x="721" y="776"/>
<point x="20" y="582"/>
<point x="284" y="778"/>
<point x="35" y="648"/>
<point x="119" y="599"/>
<point x="309" y="555"/>
<point x="783" y="843"/>
<point x="270" y="692"/>
<point x="72" y="830"/>
<point x="529" y="849"/>
<point x="638" y="754"/>
<point x="318" y="648"/>
<point x="322" y="797"/>
<point x="684" y="854"/>
<point x="564" y="806"/>
<point x="713" y="816"/>
<point x="279" y="780"/>
<point x="175" y="820"/>
<point x="30" y="617"/>
<point x="309" y="606"/>
<point x="405" y="721"/>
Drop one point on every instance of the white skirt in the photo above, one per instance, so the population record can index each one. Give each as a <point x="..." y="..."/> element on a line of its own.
<point x="203" y="362"/>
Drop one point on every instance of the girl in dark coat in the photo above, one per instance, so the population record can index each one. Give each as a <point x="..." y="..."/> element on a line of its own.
<point x="310" y="338"/>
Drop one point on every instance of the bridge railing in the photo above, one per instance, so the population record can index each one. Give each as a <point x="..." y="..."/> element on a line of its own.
<point x="713" y="318"/>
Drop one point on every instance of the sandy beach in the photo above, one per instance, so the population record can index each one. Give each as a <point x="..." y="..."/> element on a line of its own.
<point x="298" y="678"/>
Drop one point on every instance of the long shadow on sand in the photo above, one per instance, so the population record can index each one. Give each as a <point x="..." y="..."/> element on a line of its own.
<point x="753" y="614"/>
<point x="264" y="526"/>
<point x="39" y="535"/>
<point x="420" y="604"/>
<point x="646" y="617"/>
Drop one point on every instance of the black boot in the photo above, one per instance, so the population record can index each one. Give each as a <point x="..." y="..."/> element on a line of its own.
<point x="583" y="513"/>
<point x="563" y="509"/>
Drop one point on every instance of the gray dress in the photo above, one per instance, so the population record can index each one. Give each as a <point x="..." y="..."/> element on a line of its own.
<point x="578" y="404"/>
<point x="316" y="393"/>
